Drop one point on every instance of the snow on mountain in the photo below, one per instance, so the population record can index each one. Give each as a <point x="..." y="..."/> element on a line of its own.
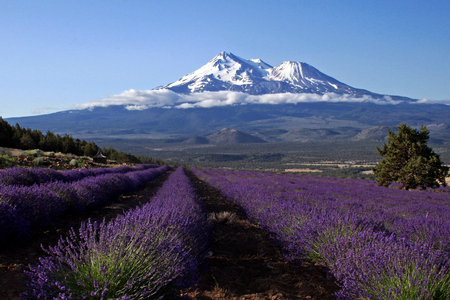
<point x="228" y="72"/>
<point x="304" y="76"/>
<point x="221" y="72"/>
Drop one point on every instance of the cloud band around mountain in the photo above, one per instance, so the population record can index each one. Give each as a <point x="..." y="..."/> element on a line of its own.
<point x="145" y="99"/>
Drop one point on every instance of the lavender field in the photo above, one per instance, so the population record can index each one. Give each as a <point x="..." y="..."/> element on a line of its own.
<point x="147" y="253"/>
<point x="33" y="198"/>
<point x="378" y="243"/>
<point x="374" y="242"/>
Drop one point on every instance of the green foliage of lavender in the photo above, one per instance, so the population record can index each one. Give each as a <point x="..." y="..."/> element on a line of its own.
<point x="377" y="243"/>
<point x="148" y="253"/>
<point x="375" y="265"/>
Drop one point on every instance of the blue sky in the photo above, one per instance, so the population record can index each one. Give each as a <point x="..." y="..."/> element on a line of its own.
<point x="56" y="54"/>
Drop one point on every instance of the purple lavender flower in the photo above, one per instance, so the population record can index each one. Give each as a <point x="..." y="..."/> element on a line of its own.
<point x="12" y="225"/>
<point x="36" y="206"/>
<point x="379" y="243"/>
<point x="146" y="253"/>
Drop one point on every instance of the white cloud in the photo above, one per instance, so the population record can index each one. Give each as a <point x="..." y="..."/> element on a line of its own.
<point x="136" y="99"/>
<point x="211" y="99"/>
<point x="429" y="101"/>
<point x="140" y="100"/>
<point x="136" y="107"/>
<point x="45" y="109"/>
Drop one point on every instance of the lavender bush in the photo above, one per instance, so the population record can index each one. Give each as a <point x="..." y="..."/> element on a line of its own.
<point x="374" y="265"/>
<point x="17" y="176"/>
<point x="68" y="193"/>
<point x="40" y="204"/>
<point x="28" y="177"/>
<point x="12" y="224"/>
<point x="379" y="243"/>
<point x="145" y="254"/>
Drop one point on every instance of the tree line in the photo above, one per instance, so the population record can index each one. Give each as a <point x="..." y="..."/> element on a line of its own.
<point x="28" y="139"/>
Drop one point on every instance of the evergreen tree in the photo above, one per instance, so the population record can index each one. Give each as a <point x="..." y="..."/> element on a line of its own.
<point x="51" y="142"/>
<point x="27" y="142"/>
<point x="68" y="144"/>
<point x="90" y="149"/>
<point x="6" y="134"/>
<point x="406" y="159"/>
<point x="18" y="133"/>
<point x="26" y="138"/>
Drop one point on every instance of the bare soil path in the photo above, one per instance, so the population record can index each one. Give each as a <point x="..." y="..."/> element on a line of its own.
<point x="244" y="263"/>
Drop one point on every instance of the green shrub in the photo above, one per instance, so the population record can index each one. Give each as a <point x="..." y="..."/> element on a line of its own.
<point x="38" y="161"/>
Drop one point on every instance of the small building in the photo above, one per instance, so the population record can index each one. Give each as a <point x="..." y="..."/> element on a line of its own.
<point x="99" y="157"/>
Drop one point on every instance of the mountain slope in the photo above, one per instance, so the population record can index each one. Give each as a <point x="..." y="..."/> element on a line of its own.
<point x="228" y="72"/>
<point x="232" y="136"/>
<point x="271" y="120"/>
<point x="224" y="72"/>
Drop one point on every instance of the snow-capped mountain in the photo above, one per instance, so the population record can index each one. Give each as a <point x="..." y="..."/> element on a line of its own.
<point x="228" y="72"/>
<point x="225" y="71"/>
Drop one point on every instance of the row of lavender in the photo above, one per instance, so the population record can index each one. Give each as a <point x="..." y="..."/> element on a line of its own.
<point x="379" y="243"/>
<point x="148" y="253"/>
<point x="36" y="206"/>
<point x="28" y="177"/>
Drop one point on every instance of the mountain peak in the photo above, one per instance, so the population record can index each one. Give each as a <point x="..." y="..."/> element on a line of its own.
<point x="288" y="71"/>
<point x="229" y="72"/>
<point x="224" y="72"/>
<point x="223" y="57"/>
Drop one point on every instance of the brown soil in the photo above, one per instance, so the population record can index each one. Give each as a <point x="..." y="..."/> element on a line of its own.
<point x="243" y="263"/>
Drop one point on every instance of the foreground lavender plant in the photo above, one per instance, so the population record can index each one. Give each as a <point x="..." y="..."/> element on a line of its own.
<point x="144" y="254"/>
<point x="374" y="265"/>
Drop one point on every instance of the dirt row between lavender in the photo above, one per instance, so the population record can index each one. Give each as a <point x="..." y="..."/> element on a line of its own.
<point x="243" y="263"/>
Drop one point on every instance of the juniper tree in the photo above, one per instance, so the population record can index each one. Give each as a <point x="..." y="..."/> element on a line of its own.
<point x="406" y="159"/>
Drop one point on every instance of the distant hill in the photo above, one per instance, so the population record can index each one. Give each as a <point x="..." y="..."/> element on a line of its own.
<point x="377" y="133"/>
<point x="232" y="136"/>
<point x="196" y="140"/>
<point x="265" y="121"/>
